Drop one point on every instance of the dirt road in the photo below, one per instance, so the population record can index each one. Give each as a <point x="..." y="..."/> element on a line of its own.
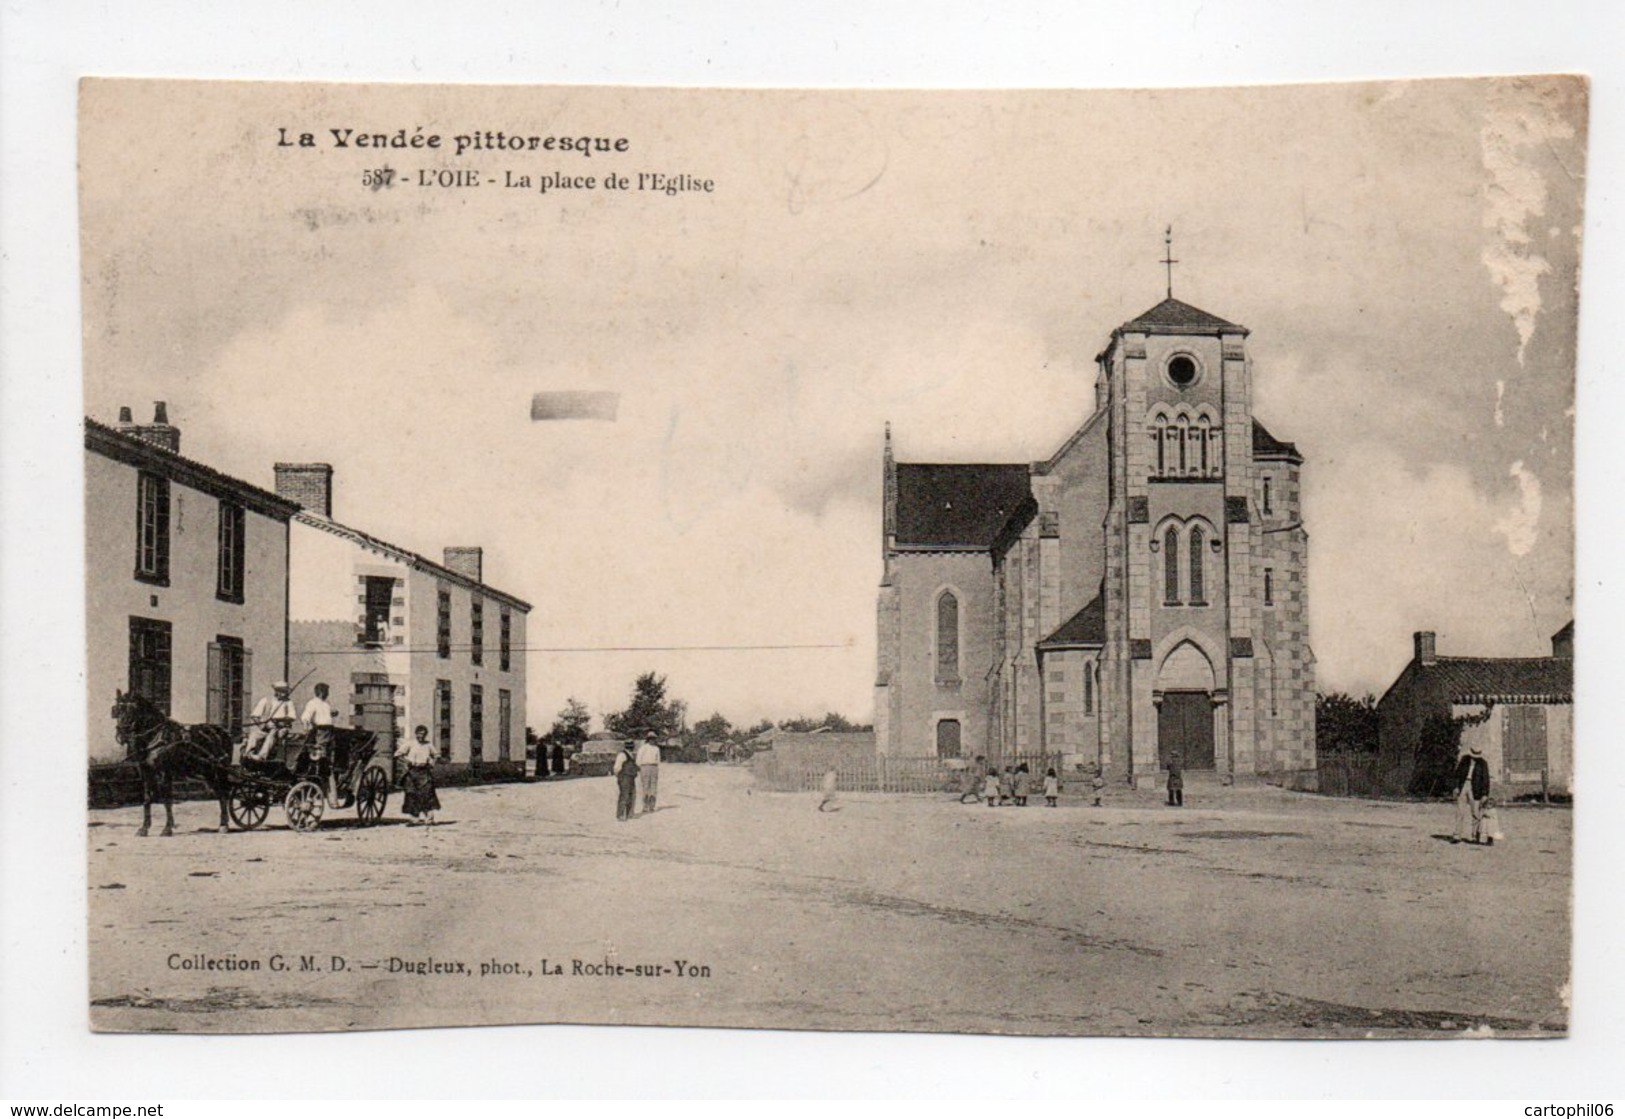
<point x="1251" y="912"/>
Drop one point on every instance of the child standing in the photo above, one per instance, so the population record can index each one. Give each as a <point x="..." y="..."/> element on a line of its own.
<point x="1098" y="782"/>
<point x="1021" y="784"/>
<point x="990" y="787"/>
<point x="1007" y="780"/>
<point x="1052" y="787"/>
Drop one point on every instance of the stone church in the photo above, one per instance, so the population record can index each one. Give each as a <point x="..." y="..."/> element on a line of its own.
<point x="1140" y="591"/>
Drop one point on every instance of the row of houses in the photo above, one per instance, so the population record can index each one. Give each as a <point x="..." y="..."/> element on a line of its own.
<point x="202" y="590"/>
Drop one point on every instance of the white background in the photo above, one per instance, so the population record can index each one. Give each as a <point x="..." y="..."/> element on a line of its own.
<point x="46" y="1051"/>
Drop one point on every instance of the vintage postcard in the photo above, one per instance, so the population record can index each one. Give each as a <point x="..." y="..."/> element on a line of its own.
<point x="1005" y="562"/>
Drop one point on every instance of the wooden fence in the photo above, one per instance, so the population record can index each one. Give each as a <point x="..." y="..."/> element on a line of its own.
<point x="1345" y="773"/>
<point x="802" y="770"/>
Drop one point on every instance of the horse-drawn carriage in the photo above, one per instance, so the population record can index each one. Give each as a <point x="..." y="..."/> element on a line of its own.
<point x="306" y="780"/>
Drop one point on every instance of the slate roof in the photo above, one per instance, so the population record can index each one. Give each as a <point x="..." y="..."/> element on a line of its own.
<point x="133" y="451"/>
<point x="1503" y="679"/>
<point x="957" y="505"/>
<point x="1266" y="445"/>
<point x="1086" y="627"/>
<point x="1173" y="317"/>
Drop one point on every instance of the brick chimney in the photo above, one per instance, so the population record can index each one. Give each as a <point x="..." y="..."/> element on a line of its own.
<point x="160" y="432"/>
<point x="309" y="484"/>
<point x="1425" y="653"/>
<point x="468" y="562"/>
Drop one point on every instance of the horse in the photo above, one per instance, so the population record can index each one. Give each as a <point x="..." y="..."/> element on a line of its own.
<point x="163" y="750"/>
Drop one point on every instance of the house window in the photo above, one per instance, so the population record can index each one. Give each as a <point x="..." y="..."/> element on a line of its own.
<point x="1170" y="567"/>
<point x="476" y="723"/>
<point x="476" y="639"/>
<point x="947" y="638"/>
<point x="227" y="683"/>
<point x="442" y="628"/>
<point x="1269" y="586"/>
<point x="442" y="718"/>
<point x="152" y="529"/>
<point x="505" y="636"/>
<point x="150" y="660"/>
<point x="504" y="717"/>
<point x="1198" y="597"/>
<point x="380" y="595"/>
<point x="230" y="565"/>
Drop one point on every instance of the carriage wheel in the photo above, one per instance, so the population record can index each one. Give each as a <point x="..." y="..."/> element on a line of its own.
<point x="248" y="806"/>
<point x="371" y="794"/>
<point x="304" y="806"/>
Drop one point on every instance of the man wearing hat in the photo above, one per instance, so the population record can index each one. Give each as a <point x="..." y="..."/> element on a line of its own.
<point x="272" y="717"/>
<point x="1472" y="791"/>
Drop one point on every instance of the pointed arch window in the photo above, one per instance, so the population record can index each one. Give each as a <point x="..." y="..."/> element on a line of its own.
<point x="947" y="638"/>
<point x="1198" y="595"/>
<point x="1088" y="690"/>
<point x="1170" y="567"/>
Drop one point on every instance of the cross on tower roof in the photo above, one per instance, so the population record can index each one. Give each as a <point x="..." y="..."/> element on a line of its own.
<point x="1168" y="258"/>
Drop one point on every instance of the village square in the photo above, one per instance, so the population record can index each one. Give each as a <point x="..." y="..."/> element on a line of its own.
<point x="837" y="599"/>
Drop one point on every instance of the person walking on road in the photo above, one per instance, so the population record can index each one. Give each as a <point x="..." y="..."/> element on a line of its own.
<point x="1472" y="792"/>
<point x="1176" y="780"/>
<point x="648" y="758"/>
<point x="421" y="800"/>
<point x="626" y="781"/>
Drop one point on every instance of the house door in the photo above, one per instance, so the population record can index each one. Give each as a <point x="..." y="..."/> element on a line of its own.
<point x="1185" y="723"/>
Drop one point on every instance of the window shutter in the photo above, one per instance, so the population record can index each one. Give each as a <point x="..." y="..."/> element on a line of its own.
<point x="247" y="685"/>
<point x="215" y="709"/>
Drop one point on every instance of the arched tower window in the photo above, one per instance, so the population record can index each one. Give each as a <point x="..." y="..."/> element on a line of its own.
<point x="1088" y="690"/>
<point x="947" y="637"/>
<point x="1198" y="597"/>
<point x="1170" y="567"/>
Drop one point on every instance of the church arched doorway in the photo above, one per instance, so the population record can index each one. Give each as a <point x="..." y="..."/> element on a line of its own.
<point x="1185" y="713"/>
<point x="948" y="738"/>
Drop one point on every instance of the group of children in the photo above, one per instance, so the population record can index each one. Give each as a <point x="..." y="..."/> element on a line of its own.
<point x="1013" y="785"/>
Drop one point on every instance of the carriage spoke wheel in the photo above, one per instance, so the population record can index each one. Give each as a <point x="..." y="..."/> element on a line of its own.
<point x="371" y="794"/>
<point x="248" y="806"/>
<point x="304" y="806"/>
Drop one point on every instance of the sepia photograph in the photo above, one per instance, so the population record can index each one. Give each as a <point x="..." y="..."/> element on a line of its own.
<point x="998" y="562"/>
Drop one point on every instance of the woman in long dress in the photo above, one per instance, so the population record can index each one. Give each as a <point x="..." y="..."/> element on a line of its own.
<point x="421" y="799"/>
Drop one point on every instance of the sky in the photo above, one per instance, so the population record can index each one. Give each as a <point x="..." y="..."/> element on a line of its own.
<point x="1405" y="254"/>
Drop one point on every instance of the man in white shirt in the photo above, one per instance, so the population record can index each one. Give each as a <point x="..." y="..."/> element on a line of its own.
<point x="272" y="717"/>
<point x="648" y="759"/>
<point x="318" y="717"/>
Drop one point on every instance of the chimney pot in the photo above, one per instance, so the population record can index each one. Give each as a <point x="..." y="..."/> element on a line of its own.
<point x="124" y="416"/>
<point x="1426" y="647"/>
<point x="160" y="412"/>
<point x="307" y="484"/>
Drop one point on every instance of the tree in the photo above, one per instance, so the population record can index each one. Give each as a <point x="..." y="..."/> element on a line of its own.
<point x="1343" y="723"/>
<point x="570" y="728"/>
<point x="649" y="715"/>
<point x="713" y="728"/>
<point x="831" y="721"/>
<point x="1436" y="750"/>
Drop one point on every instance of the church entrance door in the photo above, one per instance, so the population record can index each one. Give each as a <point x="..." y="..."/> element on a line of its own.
<point x="1185" y="723"/>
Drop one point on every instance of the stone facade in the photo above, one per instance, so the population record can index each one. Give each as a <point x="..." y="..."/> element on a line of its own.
<point x="1144" y="591"/>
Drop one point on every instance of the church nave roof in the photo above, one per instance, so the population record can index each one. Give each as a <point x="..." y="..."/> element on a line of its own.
<point x="947" y="505"/>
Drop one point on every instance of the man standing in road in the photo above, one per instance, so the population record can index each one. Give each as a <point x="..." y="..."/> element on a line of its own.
<point x="1176" y="780"/>
<point x="1472" y="790"/>
<point x="626" y="781"/>
<point x="271" y="718"/>
<point x="648" y="758"/>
